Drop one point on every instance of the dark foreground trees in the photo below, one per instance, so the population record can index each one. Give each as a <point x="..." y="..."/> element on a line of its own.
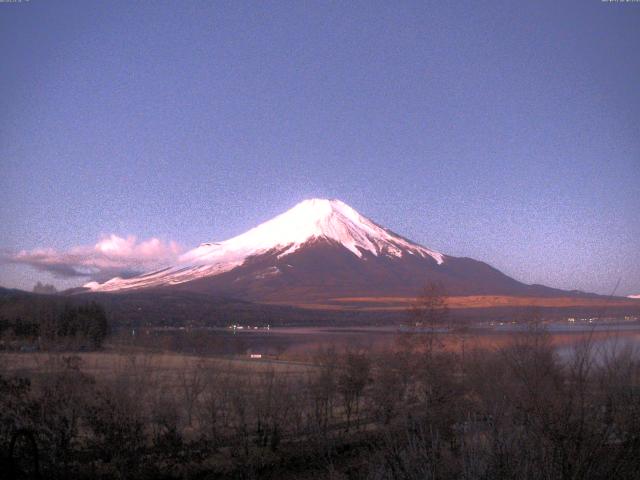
<point x="516" y="412"/>
<point x="80" y="326"/>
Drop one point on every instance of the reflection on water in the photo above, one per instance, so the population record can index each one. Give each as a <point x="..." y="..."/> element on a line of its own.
<point x="300" y="341"/>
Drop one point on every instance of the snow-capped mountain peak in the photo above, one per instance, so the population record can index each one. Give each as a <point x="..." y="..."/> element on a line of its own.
<point x="314" y="219"/>
<point x="309" y="220"/>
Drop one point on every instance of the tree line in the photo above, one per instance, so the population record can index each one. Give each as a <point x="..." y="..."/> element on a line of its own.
<point x="84" y="324"/>
<point x="419" y="411"/>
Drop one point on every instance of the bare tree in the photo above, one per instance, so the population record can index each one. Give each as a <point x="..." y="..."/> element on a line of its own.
<point x="322" y="389"/>
<point x="192" y="385"/>
<point x="428" y="317"/>
<point x="353" y="377"/>
<point x="388" y="387"/>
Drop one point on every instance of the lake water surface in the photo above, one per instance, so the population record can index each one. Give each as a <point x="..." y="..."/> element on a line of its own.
<point x="301" y="341"/>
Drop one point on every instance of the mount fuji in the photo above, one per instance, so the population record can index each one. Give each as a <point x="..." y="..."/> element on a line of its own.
<point x="322" y="251"/>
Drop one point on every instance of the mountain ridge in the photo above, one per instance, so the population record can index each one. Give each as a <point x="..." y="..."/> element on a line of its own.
<point x="322" y="249"/>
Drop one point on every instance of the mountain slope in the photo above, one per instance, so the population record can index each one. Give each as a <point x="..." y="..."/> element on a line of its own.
<point x="319" y="250"/>
<point x="323" y="269"/>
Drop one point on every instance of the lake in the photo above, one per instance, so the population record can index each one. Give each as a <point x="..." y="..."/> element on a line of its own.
<point x="305" y="341"/>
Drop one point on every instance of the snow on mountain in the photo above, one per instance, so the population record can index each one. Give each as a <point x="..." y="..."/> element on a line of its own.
<point x="309" y="220"/>
<point x="634" y="296"/>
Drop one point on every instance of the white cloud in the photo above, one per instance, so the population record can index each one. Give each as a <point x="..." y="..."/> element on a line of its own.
<point x="110" y="257"/>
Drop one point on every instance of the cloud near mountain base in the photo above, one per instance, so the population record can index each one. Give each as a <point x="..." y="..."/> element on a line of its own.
<point x="112" y="256"/>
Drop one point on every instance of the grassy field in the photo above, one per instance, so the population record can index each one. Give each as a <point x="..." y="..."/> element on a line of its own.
<point x="468" y="302"/>
<point x="164" y="367"/>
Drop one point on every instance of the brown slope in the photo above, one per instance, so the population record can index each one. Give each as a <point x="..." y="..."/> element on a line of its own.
<point x="322" y="269"/>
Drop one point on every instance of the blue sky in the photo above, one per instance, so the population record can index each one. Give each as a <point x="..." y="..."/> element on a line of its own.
<point x="504" y="131"/>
